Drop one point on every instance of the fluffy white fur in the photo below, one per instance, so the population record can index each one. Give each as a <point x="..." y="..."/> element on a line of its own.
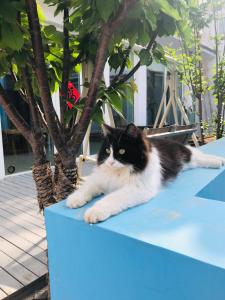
<point x="122" y="188"/>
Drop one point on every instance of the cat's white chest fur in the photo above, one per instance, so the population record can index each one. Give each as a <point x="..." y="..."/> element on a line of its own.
<point x="112" y="179"/>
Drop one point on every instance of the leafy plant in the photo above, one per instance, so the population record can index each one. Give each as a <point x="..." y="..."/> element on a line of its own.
<point x="41" y="59"/>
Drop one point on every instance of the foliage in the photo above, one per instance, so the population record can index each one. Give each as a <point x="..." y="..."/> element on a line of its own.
<point x="84" y="25"/>
<point x="189" y="56"/>
<point x="218" y="86"/>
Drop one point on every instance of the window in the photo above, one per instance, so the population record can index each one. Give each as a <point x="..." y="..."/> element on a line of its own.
<point x="18" y="154"/>
<point x="155" y="85"/>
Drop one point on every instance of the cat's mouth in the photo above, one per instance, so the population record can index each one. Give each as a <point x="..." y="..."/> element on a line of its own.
<point x="115" y="165"/>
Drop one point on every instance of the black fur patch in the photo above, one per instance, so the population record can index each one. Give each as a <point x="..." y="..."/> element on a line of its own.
<point x="131" y="140"/>
<point x="172" y="156"/>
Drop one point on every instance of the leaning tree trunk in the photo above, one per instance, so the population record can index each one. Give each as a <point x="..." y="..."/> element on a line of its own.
<point x="199" y="97"/>
<point x="219" y="127"/>
<point x="65" y="178"/>
<point x="42" y="175"/>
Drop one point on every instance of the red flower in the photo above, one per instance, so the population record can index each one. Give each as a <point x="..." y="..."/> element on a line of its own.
<point x="73" y="92"/>
<point x="69" y="105"/>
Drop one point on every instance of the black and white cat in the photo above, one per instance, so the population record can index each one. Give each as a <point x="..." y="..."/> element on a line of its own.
<point x="131" y="170"/>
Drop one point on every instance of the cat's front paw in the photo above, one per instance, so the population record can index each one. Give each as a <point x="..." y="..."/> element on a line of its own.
<point x="95" y="214"/>
<point x="76" y="199"/>
<point x="217" y="163"/>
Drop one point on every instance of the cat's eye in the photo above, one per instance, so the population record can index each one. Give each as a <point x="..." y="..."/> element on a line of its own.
<point x="108" y="150"/>
<point x="121" y="151"/>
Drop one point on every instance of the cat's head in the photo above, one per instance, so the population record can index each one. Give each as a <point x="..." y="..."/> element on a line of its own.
<point x="123" y="147"/>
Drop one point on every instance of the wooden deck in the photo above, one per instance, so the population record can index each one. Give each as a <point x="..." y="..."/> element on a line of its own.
<point x="22" y="235"/>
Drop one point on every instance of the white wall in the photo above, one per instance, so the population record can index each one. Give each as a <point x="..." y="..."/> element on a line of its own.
<point x="48" y="12"/>
<point x="140" y="98"/>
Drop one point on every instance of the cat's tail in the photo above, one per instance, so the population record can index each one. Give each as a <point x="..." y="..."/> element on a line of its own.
<point x="202" y="160"/>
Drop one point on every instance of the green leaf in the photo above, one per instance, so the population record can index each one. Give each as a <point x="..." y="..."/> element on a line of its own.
<point x="134" y="86"/>
<point x="145" y="57"/>
<point x="168" y="9"/>
<point x="127" y="92"/>
<point x="115" y="61"/>
<point x="49" y="30"/>
<point x="98" y="113"/>
<point x="20" y="58"/>
<point x="68" y="116"/>
<point x="105" y="8"/>
<point x="15" y="68"/>
<point x="12" y="36"/>
<point x="115" y="102"/>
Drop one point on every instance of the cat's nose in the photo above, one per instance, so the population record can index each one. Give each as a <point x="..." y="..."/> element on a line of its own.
<point x="111" y="162"/>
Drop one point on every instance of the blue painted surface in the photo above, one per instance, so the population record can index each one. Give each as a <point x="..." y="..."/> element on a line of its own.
<point x="172" y="248"/>
<point x="211" y="190"/>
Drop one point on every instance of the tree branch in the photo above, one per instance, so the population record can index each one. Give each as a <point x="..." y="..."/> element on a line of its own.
<point x="31" y="100"/>
<point x="137" y="66"/>
<point x="52" y="119"/>
<point x="66" y="64"/>
<point x="20" y="91"/>
<point x="123" y="66"/>
<point x="15" y="116"/>
<point x="106" y="32"/>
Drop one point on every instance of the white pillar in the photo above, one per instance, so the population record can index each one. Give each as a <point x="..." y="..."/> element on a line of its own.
<point x="107" y="74"/>
<point x="140" y="98"/>
<point x="108" y="115"/>
<point x="56" y="102"/>
<point x="56" y="105"/>
<point x="2" y="163"/>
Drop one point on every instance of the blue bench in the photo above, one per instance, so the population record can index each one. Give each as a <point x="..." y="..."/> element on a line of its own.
<point x="172" y="248"/>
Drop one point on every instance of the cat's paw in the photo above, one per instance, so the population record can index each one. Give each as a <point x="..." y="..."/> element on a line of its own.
<point x="95" y="214"/>
<point x="76" y="199"/>
<point x="218" y="162"/>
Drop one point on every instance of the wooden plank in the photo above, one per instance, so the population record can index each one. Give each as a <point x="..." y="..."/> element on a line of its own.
<point x="28" y="261"/>
<point x="22" y="234"/>
<point x="27" y="188"/>
<point x="18" y="177"/>
<point x="15" y="219"/>
<point x="20" y="242"/>
<point x="20" y="187"/>
<point x="8" y="283"/>
<point x="25" y="217"/>
<point x="16" y="270"/>
<point x="2" y="294"/>
<point x="33" y="250"/>
<point x="41" y="256"/>
<point x="18" y="207"/>
<point x="25" y="179"/>
<point x="27" y="203"/>
<point x="14" y="207"/>
<point x="8" y="187"/>
<point x="17" y="195"/>
<point x="21" y="231"/>
<point x="18" y="191"/>
<point x="16" y="203"/>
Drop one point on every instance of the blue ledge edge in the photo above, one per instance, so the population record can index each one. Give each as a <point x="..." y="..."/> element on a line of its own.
<point x="177" y="219"/>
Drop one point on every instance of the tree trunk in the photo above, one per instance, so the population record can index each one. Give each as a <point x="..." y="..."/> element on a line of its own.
<point x="219" y="127"/>
<point x="199" y="97"/>
<point x="65" y="177"/>
<point x="42" y="175"/>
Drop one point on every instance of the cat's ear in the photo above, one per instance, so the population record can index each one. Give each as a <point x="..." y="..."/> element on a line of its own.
<point x="107" y="129"/>
<point x="132" y="130"/>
